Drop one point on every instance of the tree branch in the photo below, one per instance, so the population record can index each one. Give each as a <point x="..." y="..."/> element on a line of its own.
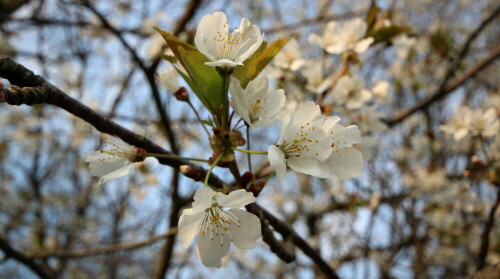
<point x="165" y="119"/>
<point x="288" y="232"/>
<point x="485" y="235"/>
<point x="31" y="264"/>
<point x="443" y="89"/>
<point x="103" y="250"/>
<point x="36" y="90"/>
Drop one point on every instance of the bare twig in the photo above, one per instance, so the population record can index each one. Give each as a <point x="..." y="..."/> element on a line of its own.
<point x="103" y="250"/>
<point x="30" y="263"/>
<point x="485" y="235"/>
<point x="443" y="89"/>
<point x="165" y="120"/>
<point x="399" y="117"/>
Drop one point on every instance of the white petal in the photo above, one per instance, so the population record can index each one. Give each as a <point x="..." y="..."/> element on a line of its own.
<point x="189" y="226"/>
<point x="245" y="235"/>
<point x="343" y="136"/>
<point x="363" y="45"/>
<point x="211" y="26"/>
<point x="96" y="156"/>
<point x="107" y="165"/>
<point x="336" y="49"/>
<point x="239" y="100"/>
<point x="316" y="39"/>
<point x="308" y="112"/>
<point x="202" y="199"/>
<point x="117" y="173"/>
<point x="346" y="163"/>
<point x="212" y="248"/>
<point x="224" y="63"/>
<point x="309" y="166"/>
<point x="251" y="42"/>
<point x="277" y="161"/>
<point x="235" y="199"/>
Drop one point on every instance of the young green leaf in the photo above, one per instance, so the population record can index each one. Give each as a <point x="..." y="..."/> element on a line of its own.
<point x="258" y="61"/>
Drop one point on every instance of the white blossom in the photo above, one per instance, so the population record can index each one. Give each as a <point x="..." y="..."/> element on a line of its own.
<point x="403" y="45"/>
<point x="303" y="145"/>
<point x="340" y="37"/>
<point x="345" y="161"/>
<point x="316" y="145"/>
<point x="255" y="104"/>
<point x="114" y="159"/>
<point x="381" y="91"/>
<point x="484" y="123"/>
<point x="222" y="48"/>
<point x="290" y="57"/>
<point x="458" y="126"/>
<point x="316" y="83"/>
<point x="169" y="78"/>
<point x="215" y="227"/>
<point x="350" y="91"/>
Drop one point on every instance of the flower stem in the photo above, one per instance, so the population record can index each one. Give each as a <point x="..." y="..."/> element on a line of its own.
<point x="249" y="151"/>
<point x="198" y="117"/>
<point x="269" y="176"/>
<point x="212" y="167"/>
<point x="248" y="147"/>
<point x="225" y="108"/>
<point x="166" y="156"/>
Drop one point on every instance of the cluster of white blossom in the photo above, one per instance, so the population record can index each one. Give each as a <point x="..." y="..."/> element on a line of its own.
<point x="309" y="143"/>
<point x="473" y="122"/>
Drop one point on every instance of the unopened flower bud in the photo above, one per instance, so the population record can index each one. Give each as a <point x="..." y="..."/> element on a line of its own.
<point x="257" y="187"/>
<point x="236" y="138"/>
<point x="140" y="154"/>
<point x="181" y="94"/>
<point x="191" y="172"/>
<point x="246" y="178"/>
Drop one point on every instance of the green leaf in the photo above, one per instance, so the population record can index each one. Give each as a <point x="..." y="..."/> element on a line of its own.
<point x="173" y="42"/>
<point x="169" y="58"/>
<point x="442" y="42"/>
<point x="205" y="78"/>
<point x="371" y="16"/>
<point x="207" y="122"/>
<point x="255" y="64"/>
<point x="387" y="33"/>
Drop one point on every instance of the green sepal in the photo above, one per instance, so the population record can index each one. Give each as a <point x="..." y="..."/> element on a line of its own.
<point x="258" y="61"/>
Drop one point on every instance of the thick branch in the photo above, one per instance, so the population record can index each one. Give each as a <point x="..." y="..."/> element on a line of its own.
<point x="279" y="248"/>
<point x="288" y="232"/>
<point x="36" y="90"/>
<point x="31" y="264"/>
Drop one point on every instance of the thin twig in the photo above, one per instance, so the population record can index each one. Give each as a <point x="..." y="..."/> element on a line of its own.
<point x="103" y="250"/>
<point x="30" y="263"/>
<point x="485" y="235"/>
<point x="443" y="89"/>
<point x="164" y="118"/>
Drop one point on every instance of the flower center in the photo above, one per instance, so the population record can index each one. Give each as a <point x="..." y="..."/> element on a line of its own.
<point x="255" y="107"/>
<point x="301" y="142"/>
<point x="217" y="222"/>
<point x="228" y="45"/>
